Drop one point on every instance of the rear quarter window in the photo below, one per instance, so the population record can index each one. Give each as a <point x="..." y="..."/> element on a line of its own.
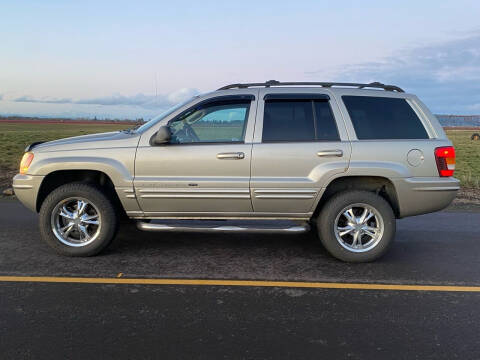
<point x="383" y="118"/>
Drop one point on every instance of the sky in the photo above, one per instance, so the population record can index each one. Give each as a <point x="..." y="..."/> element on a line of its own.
<point x="132" y="59"/>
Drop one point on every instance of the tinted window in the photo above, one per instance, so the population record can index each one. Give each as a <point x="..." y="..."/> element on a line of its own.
<point x="288" y="121"/>
<point x="298" y="120"/>
<point x="216" y="122"/>
<point x="326" y="128"/>
<point x="383" y="118"/>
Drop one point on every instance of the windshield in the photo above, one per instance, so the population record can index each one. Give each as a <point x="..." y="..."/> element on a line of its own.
<point x="163" y="115"/>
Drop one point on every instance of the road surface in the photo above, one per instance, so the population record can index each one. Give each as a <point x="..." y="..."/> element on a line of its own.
<point x="44" y="319"/>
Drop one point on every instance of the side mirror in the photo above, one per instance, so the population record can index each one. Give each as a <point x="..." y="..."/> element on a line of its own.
<point x="162" y="136"/>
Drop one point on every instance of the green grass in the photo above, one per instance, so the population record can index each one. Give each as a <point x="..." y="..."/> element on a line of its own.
<point x="467" y="168"/>
<point x="14" y="137"/>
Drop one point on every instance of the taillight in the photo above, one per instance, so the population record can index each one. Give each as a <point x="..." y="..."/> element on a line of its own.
<point x="25" y="163"/>
<point x="445" y="157"/>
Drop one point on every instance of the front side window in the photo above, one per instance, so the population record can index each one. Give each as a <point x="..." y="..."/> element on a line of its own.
<point x="218" y="122"/>
<point x="298" y="120"/>
<point x="163" y="115"/>
<point x="383" y="118"/>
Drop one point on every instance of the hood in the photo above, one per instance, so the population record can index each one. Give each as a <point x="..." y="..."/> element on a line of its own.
<point x="100" y="140"/>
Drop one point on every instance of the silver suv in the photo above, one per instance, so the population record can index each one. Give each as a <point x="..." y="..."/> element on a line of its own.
<point x="346" y="159"/>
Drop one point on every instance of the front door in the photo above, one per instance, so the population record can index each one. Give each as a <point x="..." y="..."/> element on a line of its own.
<point x="205" y="169"/>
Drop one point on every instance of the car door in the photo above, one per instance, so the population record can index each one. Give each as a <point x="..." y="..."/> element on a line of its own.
<point x="205" y="169"/>
<point x="300" y="142"/>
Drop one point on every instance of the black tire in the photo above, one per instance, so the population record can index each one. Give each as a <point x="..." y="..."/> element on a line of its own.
<point x="92" y="193"/>
<point x="335" y="205"/>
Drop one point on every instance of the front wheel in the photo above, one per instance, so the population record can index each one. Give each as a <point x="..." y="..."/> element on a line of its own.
<point x="77" y="219"/>
<point x="356" y="226"/>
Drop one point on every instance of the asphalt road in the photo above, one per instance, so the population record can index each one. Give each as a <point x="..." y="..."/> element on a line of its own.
<point x="78" y="321"/>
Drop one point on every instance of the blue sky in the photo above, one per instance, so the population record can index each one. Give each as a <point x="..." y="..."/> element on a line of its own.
<point x="104" y="58"/>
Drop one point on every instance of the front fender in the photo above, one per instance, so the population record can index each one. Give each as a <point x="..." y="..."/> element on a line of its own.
<point x="119" y="171"/>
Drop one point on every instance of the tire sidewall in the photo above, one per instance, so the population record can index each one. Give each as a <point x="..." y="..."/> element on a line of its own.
<point x="95" y="196"/>
<point x="328" y="215"/>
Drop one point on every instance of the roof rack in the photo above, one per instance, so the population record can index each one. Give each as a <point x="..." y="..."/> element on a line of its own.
<point x="270" y="83"/>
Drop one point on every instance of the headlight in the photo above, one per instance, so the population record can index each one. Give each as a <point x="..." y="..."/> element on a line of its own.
<point x="25" y="163"/>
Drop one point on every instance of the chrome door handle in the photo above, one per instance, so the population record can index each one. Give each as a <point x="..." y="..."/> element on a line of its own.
<point x="231" y="156"/>
<point x="330" y="153"/>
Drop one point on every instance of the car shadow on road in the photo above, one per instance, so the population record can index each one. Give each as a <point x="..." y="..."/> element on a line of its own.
<point x="242" y="256"/>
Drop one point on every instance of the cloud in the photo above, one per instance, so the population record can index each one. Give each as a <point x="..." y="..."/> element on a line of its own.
<point x="118" y="99"/>
<point x="145" y="101"/>
<point x="30" y="99"/>
<point x="475" y="107"/>
<point x="181" y="95"/>
<point x="446" y="76"/>
<point x="25" y="98"/>
<point x="58" y="101"/>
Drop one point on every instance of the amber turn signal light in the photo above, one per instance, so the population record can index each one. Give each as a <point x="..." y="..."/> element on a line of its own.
<point x="25" y="163"/>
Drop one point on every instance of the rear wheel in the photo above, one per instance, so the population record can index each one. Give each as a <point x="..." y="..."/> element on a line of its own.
<point x="356" y="226"/>
<point x="77" y="219"/>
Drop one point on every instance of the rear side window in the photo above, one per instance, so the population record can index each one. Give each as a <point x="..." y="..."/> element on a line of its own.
<point x="298" y="120"/>
<point x="383" y="118"/>
<point x="326" y="128"/>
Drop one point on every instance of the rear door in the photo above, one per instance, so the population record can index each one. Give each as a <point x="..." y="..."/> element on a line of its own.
<point x="300" y="142"/>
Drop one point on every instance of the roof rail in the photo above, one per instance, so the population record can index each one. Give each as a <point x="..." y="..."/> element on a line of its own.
<point x="322" y="84"/>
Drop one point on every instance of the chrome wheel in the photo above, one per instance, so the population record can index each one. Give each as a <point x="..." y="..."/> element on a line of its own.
<point x="76" y="222"/>
<point x="359" y="227"/>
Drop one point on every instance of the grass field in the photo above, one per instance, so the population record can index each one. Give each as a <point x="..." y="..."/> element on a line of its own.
<point x="468" y="157"/>
<point x="14" y="137"/>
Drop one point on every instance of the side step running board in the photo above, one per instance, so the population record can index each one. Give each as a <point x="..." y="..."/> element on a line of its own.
<point x="196" y="227"/>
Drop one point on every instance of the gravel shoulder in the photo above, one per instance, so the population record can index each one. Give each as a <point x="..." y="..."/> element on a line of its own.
<point x="468" y="199"/>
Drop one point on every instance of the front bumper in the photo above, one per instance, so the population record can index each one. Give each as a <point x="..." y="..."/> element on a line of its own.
<point x="26" y="189"/>
<point x="425" y="194"/>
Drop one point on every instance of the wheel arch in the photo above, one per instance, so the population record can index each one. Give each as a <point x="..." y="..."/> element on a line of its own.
<point x="377" y="184"/>
<point x="61" y="177"/>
